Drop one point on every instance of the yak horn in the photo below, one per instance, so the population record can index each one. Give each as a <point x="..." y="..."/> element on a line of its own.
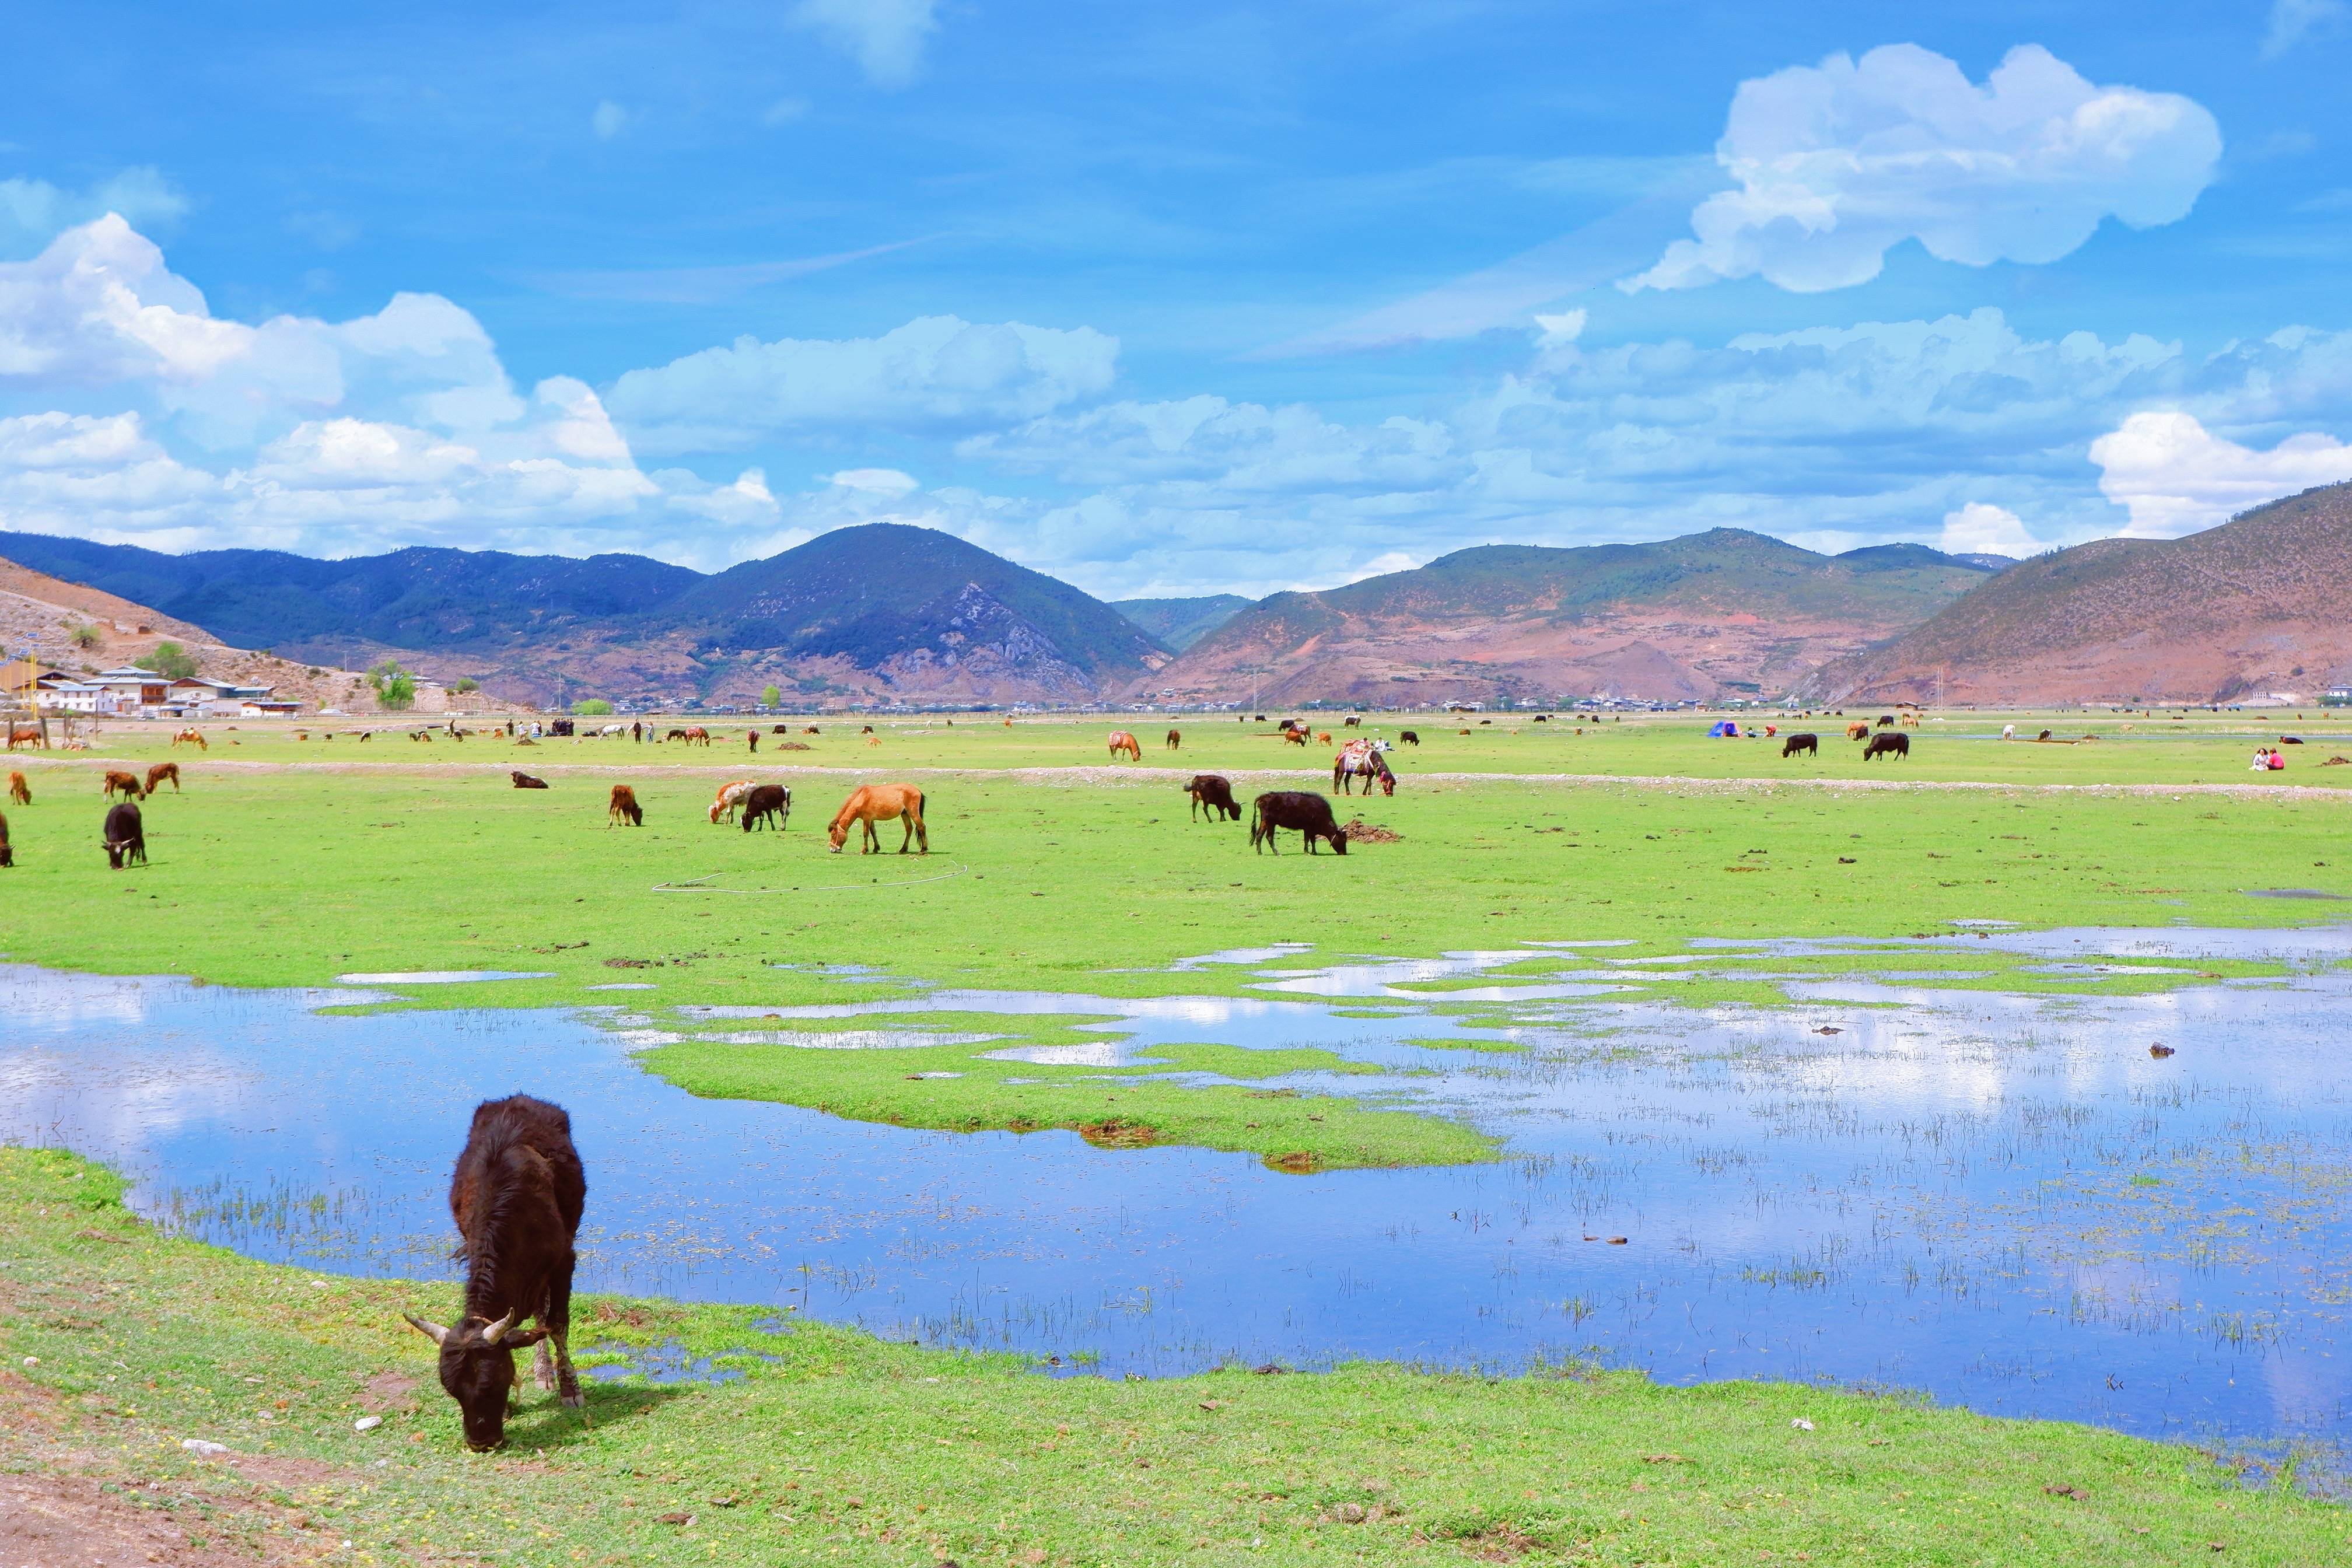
<point x="497" y="1331"/>
<point x="432" y="1331"/>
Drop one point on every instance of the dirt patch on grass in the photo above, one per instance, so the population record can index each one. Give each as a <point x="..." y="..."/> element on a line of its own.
<point x="1118" y="1134"/>
<point x="48" y="1518"/>
<point x="1359" y="831"/>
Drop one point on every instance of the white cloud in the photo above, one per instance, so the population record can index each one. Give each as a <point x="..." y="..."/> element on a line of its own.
<point x="1559" y="331"/>
<point x="2294" y="21"/>
<point x="1839" y="162"/>
<point x="2176" y="477"/>
<point x="1982" y="529"/>
<point x="608" y="119"/>
<point x="875" y="481"/>
<point x="934" y="372"/>
<point x="886" y="37"/>
<point x="34" y="212"/>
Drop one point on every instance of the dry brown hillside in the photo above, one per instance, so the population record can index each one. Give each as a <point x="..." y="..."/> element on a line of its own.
<point x="40" y="615"/>
<point x="2258" y="604"/>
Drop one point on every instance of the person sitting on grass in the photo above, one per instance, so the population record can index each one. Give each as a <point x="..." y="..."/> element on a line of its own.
<point x="2277" y="762"/>
<point x="2262" y="759"/>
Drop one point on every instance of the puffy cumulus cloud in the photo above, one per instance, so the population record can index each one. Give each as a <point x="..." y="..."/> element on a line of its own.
<point x="329" y="436"/>
<point x="1980" y="528"/>
<point x="2176" y="477"/>
<point x="935" y="373"/>
<point x="1837" y="163"/>
<point x="886" y="37"/>
<point x="34" y="212"/>
<point x="875" y="481"/>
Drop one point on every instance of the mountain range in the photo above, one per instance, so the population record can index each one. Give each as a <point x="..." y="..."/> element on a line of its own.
<point x="884" y="612"/>
<point x="2254" y="607"/>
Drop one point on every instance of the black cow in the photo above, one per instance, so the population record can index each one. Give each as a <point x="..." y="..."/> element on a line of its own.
<point x="1215" y="791"/>
<point x="771" y="801"/>
<point x="126" y="836"/>
<point x="1408" y="737"/>
<point x="1886" y="721"/>
<point x="1801" y="742"/>
<point x="1307" y="812"/>
<point x="517" y="1195"/>
<point x="1894" y="743"/>
<point x="525" y="781"/>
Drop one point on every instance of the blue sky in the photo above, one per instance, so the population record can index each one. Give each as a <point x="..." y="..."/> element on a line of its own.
<point x="1170" y="298"/>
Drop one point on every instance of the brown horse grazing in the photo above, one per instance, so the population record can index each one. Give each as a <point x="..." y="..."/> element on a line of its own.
<point x="871" y="803"/>
<point x="193" y="737"/>
<point x="19" y="792"/>
<point x="1120" y="741"/>
<point x="1175" y="740"/>
<point x="127" y="783"/>
<point x="625" y="808"/>
<point x="26" y="735"/>
<point x="162" y="772"/>
<point x="696" y="735"/>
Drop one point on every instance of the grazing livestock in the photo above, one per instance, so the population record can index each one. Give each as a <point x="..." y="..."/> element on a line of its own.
<point x="525" y="781"/>
<point x="730" y="796"/>
<point x="19" y="792"/>
<point x="1893" y="744"/>
<point x="866" y="728"/>
<point x="768" y="803"/>
<point x="871" y="803"/>
<point x="1886" y="721"/>
<point x="1409" y="737"/>
<point x="7" y="854"/>
<point x="1175" y="740"/>
<point x="2009" y="732"/>
<point x="675" y="735"/>
<point x="753" y="736"/>
<point x="1808" y="744"/>
<point x="1361" y="759"/>
<point x="126" y="783"/>
<point x="1324" y="737"/>
<point x="811" y="729"/>
<point x="1294" y="737"/>
<point x="1120" y="741"/>
<point x="27" y="735"/>
<point x="193" y="737"/>
<point x="1857" y="731"/>
<point x="517" y="1194"/>
<point x="625" y="808"/>
<point x="1351" y="721"/>
<point x="696" y="735"/>
<point x="1307" y="812"/>
<point x="159" y="774"/>
<point x="1215" y="791"/>
<point x="126" y="836"/>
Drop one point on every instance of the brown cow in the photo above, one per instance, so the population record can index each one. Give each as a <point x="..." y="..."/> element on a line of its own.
<point x="1893" y="744"/>
<point x="871" y="803"/>
<point x="524" y="781"/>
<point x="1324" y="737"/>
<point x="19" y="792"/>
<point x="7" y="854"/>
<point x="517" y="1194"/>
<point x="1175" y="740"/>
<point x="1408" y="737"/>
<point x="1858" y="731"/>
<point x="1295" y="737"/>
<point x="162" y="772"/>
<point x="1215" y="791"/>
<point x="1120" y="741"/>
<point x="624" y="808"/>
<point x="769" y="805"/>
<point x="127" y="783"/>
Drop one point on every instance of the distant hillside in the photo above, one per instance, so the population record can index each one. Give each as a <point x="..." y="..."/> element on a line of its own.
<point x="1178" y="624"/>
<point x="80" y="630"/>
<point x="2255" y="605"/>
<point x="877" y="611"/>
<point x="1726" y="612"/>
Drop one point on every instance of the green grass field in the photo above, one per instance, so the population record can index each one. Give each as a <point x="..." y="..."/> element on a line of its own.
<point x="282" y="864"/>
<point x="834" y="1447"/>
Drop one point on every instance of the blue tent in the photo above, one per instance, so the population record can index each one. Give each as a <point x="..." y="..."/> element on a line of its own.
<point x="1725" y="730"/>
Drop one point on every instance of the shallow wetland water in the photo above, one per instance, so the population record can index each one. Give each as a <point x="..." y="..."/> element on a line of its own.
<point x="2003" y="1201"/>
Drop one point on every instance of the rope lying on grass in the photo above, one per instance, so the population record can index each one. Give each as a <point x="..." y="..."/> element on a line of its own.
<point x="694" y="885"/>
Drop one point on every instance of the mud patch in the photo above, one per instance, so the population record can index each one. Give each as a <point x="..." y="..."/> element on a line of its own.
<point x="1116" y="1133"/>
<point x="1359" y="831"/>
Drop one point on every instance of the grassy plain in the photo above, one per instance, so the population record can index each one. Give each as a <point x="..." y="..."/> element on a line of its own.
<point x="1089" y="882"/>
<point x="121" y="1345"/>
